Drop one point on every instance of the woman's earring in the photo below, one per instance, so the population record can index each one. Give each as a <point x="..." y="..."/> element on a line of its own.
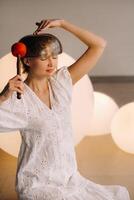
<point x="26" y="61"/>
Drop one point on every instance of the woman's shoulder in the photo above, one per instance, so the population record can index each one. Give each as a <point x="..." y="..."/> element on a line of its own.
<point x="63" y="81"/>
<point x="62" y="75"/>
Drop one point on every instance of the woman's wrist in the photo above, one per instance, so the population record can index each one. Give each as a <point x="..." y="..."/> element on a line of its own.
<point x="2" y="98"/>
<point x="64" y="23"/>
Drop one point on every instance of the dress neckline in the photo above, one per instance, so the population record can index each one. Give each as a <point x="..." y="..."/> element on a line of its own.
<point x="50" y="97"/>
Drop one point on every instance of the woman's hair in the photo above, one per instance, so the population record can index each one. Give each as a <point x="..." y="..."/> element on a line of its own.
<point x="36" y="45"/>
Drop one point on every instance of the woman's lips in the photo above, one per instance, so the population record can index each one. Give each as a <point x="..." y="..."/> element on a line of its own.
<point x="50" y="70"/>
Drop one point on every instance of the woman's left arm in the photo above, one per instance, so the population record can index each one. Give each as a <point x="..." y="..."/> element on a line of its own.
<point x="89" y="58"/>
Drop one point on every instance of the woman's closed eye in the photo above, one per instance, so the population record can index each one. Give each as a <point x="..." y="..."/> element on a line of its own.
<point x="45" y="58"/>
<point x="54" y="57"/>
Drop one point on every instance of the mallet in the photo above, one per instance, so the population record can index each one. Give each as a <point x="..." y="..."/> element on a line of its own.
<point x="19" y="50"/>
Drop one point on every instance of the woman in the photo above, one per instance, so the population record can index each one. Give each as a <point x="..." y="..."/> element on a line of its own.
<point x="47" y="168"/>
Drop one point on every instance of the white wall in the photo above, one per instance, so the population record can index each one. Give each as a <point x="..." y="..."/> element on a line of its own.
<point x="111" y="19"/>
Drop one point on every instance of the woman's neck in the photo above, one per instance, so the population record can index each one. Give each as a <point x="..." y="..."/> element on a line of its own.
<point x="38" y="85"/>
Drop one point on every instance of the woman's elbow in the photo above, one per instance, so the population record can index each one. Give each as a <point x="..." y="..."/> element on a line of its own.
<point x="103" y="43"/>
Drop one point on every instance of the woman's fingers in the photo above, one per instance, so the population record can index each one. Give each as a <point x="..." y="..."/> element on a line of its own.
<point x="17" y="77"/>
<point x="38" y="23"/>
<point x="41" y="25"/>
<point x="16" y="84"/>
<point x="19" y="85"/>
<point x="19" y="90"/>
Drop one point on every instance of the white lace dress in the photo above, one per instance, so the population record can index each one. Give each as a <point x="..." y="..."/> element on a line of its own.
<point x="47" y="168"/>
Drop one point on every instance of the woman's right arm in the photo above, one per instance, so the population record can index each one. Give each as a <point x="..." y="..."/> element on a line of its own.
<point x="1" y="99"/>
<point x="14" y="84"/>
<point x="12" y="110"/>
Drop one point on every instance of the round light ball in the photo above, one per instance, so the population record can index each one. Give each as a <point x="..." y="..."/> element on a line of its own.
<point x="122" y="128"/>
<point x="104" y="110"/>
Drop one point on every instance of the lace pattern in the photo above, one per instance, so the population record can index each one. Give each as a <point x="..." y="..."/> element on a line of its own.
<point x="47" y="167"/>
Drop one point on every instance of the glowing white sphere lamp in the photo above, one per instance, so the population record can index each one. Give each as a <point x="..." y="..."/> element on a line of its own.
<point x="122" y="128"/>
<point x="104" y="110"/>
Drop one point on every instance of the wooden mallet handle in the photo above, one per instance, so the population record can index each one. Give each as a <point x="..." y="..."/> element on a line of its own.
<point x="19" y="50"/>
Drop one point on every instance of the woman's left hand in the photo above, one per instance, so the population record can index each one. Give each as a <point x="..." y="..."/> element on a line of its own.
<point x="48" y="23"/>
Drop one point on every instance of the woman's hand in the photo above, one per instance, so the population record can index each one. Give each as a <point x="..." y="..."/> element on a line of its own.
<point x="47" y="23"/>
<point x="14" y="84"/>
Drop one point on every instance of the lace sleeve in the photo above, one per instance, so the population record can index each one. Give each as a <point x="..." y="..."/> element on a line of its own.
<point x="63" y="77"/>
<point x="13" y="114"/>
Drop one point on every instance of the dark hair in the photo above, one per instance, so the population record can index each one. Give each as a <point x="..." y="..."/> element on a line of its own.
<point x="36" y="43"/>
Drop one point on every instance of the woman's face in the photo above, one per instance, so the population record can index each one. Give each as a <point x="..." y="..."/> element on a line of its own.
<point x="43" y="66"/>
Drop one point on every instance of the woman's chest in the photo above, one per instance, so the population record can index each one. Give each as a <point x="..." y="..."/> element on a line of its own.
<point x="47" y="119"/>
<point x="44" y="126"/>
<point x="41" y="116"/>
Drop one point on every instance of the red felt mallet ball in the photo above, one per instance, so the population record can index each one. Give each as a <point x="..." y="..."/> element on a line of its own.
<point x="19" y="48"/>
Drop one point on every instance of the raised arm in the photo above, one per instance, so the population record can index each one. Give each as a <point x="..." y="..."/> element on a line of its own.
<point x="89" y="58"/>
